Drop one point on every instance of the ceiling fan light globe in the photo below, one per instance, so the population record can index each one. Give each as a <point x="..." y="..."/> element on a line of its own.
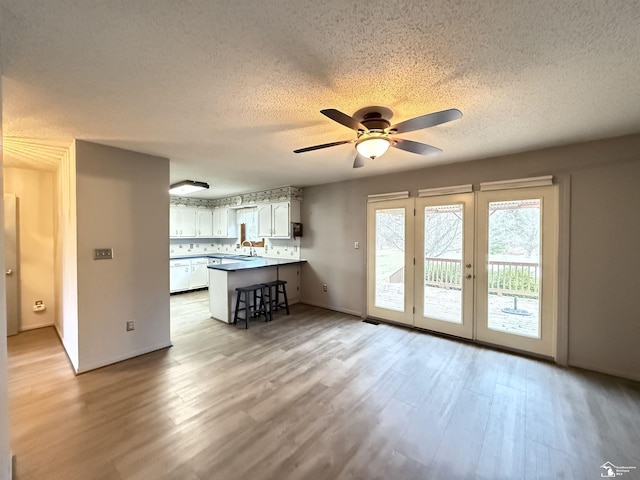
<point x="373" y="147"/>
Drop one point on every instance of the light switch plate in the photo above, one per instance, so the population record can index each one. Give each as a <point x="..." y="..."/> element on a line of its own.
<point x="103" y="254"/>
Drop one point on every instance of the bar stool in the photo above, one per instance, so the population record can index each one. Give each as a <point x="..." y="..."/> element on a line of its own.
<point x="254" y="300"/>
<point x="276" y="288"/>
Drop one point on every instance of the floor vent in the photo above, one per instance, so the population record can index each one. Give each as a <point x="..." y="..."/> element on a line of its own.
<point x="372" y="322"/>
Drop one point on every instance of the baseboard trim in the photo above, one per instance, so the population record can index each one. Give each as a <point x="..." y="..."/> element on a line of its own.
<point x="335" y="309"/>
<point x="607" y="371"/>
<point x="121" y="358"/>
<point x="39" y="325"/>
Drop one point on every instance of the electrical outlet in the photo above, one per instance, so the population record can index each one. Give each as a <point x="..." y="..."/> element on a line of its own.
<point x="130" y="326"/>
<point x="103" y="254"/>
<point x="324" y="287"/>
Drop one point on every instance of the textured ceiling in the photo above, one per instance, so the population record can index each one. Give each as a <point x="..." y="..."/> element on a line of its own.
<point x="227" y="89"/>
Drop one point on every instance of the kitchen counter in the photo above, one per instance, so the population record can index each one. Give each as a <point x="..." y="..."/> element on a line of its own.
<point x="224" y="279"/>
<point x="256" y="262"/>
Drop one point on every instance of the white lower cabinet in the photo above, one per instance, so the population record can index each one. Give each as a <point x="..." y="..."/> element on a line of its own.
<point x="291" y="274"/>
<point x="199" y="277"/>
<point x="179" y="275"/>
<point x="188" y="274"/>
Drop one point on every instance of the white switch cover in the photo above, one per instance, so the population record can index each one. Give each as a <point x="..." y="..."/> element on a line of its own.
<point x="356" y="245"/>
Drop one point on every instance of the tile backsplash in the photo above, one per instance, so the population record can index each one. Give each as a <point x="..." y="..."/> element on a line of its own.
<point x="274" y="248"/>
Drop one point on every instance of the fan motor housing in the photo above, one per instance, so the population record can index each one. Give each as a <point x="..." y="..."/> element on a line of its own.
<point x="374" y="122"/>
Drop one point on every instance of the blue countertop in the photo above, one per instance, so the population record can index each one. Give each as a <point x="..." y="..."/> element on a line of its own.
<point x="255" y="262"/>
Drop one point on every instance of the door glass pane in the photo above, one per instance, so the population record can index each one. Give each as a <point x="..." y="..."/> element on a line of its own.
<point x="514" y="267"/>
<point x="390" y="267"/>
<point x="443" y="262"/>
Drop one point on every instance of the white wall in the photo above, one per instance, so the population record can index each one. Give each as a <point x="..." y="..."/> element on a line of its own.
<point x="122" y="203"/>
<point x="604" y="236"/>
<point x="66" y="256"/>
<point x="34" y="192"/>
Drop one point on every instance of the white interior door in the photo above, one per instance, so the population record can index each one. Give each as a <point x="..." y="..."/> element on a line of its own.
<point x="11" y="263"/>
<point x="516" y="299"/>
<point x="444" y="273"/>
<point x="390" y="260"/>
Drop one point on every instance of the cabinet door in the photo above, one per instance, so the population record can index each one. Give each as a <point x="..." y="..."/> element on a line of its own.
<point x="265" y="227"/>
<point x="291" y="275"/>
<point x="179" y="276"/>
<point x="280" y="223"/>
<point x="174" y="226"/>
<point x="198" y="278"/>
<point x="205" y="223"/>
<point x="220" y="222"/>
<point x="187" y="222"/>
<point x="224" y="222"/>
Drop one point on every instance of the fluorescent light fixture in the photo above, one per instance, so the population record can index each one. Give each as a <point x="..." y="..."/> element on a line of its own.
<point x="186" y="187"/>
<point x="372" y="146"/>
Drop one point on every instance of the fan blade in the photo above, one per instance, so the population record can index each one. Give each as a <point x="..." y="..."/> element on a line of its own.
<point x="344" y="119"/>
<point x="324" y="145"/>
<point x="426" y="121"/>
<point x="414" y="147"/>
<point x="359" y="161"/>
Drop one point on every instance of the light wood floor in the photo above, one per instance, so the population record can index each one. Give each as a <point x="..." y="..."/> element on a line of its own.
<point x="316" y="395"/>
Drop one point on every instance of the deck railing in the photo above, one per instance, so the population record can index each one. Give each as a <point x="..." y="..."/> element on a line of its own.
<point x="505" y="278"/>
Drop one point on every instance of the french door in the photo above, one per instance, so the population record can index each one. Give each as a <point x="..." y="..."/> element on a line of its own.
<point x="444" y="264"/>
<point x="390" y="250"/>
<point x="479" y="265"/>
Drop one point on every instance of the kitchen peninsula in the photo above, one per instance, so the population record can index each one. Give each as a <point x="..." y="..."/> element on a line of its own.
<point x="225" y="278"/>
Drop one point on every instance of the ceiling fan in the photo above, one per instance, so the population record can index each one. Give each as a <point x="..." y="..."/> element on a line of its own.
<point x="375" y="134"/>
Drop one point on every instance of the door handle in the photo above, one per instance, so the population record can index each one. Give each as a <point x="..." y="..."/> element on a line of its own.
<point x="468" y="276"/>
<point x="9" y="272"/>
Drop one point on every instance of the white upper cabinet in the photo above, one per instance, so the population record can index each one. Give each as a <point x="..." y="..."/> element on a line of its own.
<point x="274" y="220"/>
<point x="224" y="223"/>
<point x="188" y="222"/>
<point x="204" y="220"/>
<point x="174" y="228"/>
<point x="182" y="222"/>
<point x="281" y="222"/>
<point x="264" y="221"/>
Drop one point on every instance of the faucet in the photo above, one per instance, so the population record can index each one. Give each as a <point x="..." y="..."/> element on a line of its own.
<point x="252" y="252"/>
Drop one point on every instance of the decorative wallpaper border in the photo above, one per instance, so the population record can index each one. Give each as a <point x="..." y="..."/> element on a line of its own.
<point x="281" y="194"/>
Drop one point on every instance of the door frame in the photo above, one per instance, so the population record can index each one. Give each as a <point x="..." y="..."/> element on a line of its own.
<point x="12" y="278"/>
<point x="545" y="345"/>
<point x="562" y="185"/>
<point x="406" y="316"/>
